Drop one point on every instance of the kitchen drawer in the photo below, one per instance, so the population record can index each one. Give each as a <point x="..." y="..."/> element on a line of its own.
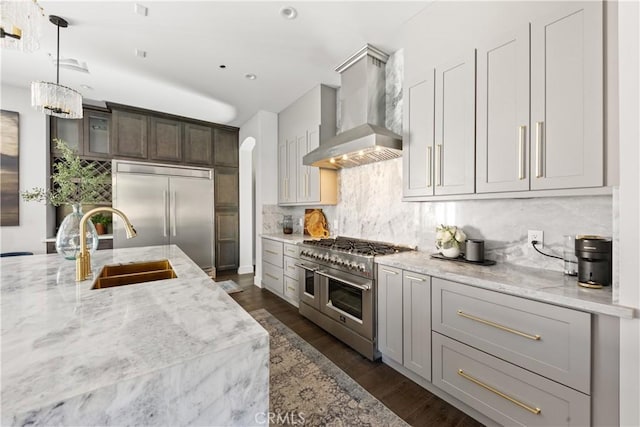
<point x="272" y="278"/>
<point x="290" y="268"/>
<point x="272" y="252"/>
<point x="291" y="250"/>
<point x="552" y="341"/>
<point x="291" y="288"/>
<point x="504" y="392"/>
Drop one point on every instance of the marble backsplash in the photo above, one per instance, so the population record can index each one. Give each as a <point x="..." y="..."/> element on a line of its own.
<point x="371" y="207"/>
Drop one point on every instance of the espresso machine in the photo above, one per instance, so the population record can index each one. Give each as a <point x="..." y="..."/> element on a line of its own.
<point x="594" y="261"/>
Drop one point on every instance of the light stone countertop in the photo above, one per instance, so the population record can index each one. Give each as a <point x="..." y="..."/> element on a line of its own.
<point x="286" y="238"/>
<point x="146" y="353"/>
<point x="532" y="283"/>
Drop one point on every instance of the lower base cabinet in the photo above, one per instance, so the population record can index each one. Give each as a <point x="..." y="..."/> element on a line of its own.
<point x="279" y="272"/>
<point x="505" y="392"/>
<point x="513" y="360"/>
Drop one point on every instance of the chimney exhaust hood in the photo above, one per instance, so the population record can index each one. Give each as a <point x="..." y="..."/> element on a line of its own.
<point x="366" y="140"/>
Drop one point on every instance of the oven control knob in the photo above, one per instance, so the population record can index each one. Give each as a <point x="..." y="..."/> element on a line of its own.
<point x="362" y="268"/>
<point x="352" y="265"/>
<point x="303" y="253"/>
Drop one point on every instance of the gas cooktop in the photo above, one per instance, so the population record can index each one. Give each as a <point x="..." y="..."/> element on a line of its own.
<point x="357" y="246"/>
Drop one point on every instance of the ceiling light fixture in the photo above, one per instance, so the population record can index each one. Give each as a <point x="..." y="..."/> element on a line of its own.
<point x="140" y="53"/>
<point x="53" y="98"/>
<point x="21" y="24"/>
<point x="251" y="76"/>
<point x="288" y="12"/>
<point x="222" y="66"/>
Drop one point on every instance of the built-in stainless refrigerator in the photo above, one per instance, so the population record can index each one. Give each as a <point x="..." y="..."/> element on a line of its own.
<point x="166" y="205"/>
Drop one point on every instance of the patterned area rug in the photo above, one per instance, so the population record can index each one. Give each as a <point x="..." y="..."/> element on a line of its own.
<point x="307" y="388"/>
<point x="229" y="286"/>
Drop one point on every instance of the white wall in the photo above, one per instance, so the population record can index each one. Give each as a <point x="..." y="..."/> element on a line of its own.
<point x="34" y="171"/>
<point x="629" y="93"/>
<point x="247" y="208"/>
<point x="263" y="127"/>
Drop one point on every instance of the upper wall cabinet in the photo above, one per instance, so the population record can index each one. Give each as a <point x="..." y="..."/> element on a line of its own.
<point x="225" y="147"/>
<point x="502" y="153"/>
<point x="567" y="97"/>
<point x="88" y="137"/>
<point x="439" y="135"/>
<point x="166" y="139"/>
<point x="301" y="128"/>
<point x="130" y="134"/>
<point x="198" y="144"/>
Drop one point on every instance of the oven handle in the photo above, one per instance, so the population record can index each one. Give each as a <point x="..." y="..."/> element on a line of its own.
<point x="346" y="282"/>
<point x="306" y="267"/>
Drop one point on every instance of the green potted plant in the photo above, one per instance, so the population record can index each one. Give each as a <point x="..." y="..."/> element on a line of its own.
<point x="75" y="183"/>
<point x="101" y="222"/>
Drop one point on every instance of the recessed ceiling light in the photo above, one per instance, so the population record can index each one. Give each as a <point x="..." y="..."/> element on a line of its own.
<point x="288" y="12"/>
<point x="141" y="53"/>
<point x="141" y="10"/>
<point x="222" y="66"/>
<point x="251" y="76"/>
<point x="87" y="87"/>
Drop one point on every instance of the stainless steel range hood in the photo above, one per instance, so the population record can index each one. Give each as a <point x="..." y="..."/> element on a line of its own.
<point x="366" y="140"/>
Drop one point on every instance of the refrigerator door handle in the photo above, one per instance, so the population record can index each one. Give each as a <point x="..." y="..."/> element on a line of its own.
<point x="164" y="217"/>
<point x="173" y="214"/>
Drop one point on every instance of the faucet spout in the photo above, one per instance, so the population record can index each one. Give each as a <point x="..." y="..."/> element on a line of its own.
<point x="83" y="260"/>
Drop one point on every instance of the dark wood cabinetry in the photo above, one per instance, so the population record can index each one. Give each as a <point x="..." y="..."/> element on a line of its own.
<point x="166" y="139"/>
<point x="225" y="148"/>
<point x="89" y="137"/>
<point x="129" y="134"/>
<point x="198" y="144"/>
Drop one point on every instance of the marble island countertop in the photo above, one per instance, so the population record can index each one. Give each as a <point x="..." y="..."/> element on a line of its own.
<point x="173" y="352"/>
<point x="537" y="284"/>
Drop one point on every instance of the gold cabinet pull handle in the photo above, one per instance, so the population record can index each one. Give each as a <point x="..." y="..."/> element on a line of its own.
<point x="272" y="276"/>
<point x="429" y="166"/>
<point x="531" y="409"/>
<point x="419" y="279"/>
<point x="438" y="165"/>
<point x="389" y="271"/>
<point x="499" y="326"/>
<point x="521" y="142"/>
<point x="539" y="149"/>
<point x="271" y="252"/>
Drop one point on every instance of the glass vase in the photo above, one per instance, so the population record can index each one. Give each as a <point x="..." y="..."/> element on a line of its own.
<point x="68" y="237"/>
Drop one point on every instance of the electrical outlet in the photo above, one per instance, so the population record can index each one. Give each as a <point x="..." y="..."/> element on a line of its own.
<point x="537" y="235"/>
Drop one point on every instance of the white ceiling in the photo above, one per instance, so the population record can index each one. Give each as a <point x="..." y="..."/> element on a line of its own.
<point x="187" y="41"/>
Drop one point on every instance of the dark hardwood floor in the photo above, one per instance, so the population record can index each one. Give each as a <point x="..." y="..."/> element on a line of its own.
<point x="407" y="399"/>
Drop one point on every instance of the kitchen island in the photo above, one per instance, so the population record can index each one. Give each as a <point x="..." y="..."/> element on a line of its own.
<point x="170" y="352"/>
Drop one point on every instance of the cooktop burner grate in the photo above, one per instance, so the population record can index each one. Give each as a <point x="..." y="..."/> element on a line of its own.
<point x="357" y="246"/>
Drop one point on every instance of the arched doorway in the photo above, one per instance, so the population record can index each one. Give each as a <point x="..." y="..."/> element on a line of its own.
<point x="247" y="205"/>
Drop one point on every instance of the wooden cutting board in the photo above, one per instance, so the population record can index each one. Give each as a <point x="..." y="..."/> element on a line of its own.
<point x="315" y="223"/>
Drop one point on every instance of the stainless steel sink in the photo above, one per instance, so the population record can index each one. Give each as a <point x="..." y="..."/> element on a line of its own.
<point x="135" y="272"/>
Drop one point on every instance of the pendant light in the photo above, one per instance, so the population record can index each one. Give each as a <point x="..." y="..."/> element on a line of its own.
<point x="53" y="98"/>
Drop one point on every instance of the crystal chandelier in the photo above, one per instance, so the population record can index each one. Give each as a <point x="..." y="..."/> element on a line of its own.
<point x="21" y="24"/>
<point x="53" y="98"/>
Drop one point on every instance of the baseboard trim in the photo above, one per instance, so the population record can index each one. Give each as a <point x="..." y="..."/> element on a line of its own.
<point x="245" y="269"/>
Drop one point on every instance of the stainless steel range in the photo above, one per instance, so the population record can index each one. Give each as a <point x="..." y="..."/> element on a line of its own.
<point x="338" y="289"/>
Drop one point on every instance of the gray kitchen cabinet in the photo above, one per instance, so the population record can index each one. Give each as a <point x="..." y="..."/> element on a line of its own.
<point x="198" y="144"/>
<point x="549" y="340"/>
<point x="291" y="273"/>
<point x="273" y="266"/>
<point x="416" y="296"/>
<point x="567" y="97"/>
<point x="419" y="133"/>
<point x="390" y="313"/>
<point x="226" y="187"/>
<point x="454" y="167"/>
<point x="504" y="392"/>
<point x="302" y="127"/>
<point x="129" y="134"/>
<point x="225" y="147"/>
<point x="502" y="122"/>
<point x="166" y="139"/>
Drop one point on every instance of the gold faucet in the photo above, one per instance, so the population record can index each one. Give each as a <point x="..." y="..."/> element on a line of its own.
<point x="83" y="259"/>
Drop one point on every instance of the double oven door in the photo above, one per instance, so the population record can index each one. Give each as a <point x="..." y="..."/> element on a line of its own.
<point x="346" y="298"/>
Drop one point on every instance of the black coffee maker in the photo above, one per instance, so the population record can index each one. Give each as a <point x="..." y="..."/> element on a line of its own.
<point x="594" y="261"/>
